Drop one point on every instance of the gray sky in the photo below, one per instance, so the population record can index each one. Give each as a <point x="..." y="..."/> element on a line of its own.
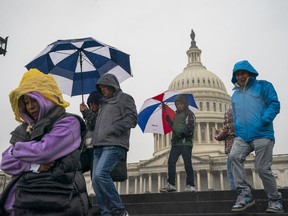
<point x="156" y="34"/>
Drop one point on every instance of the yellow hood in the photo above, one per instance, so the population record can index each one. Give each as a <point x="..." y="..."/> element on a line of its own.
<point x="36" y="81"/>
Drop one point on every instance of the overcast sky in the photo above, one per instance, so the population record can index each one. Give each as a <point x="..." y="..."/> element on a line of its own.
<point x="156" y="34"/>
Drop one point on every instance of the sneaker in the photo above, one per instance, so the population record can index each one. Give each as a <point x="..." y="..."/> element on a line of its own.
<point x="168" y="188"/>
<point x="189" y="188"/>
<point x="121" y="213"/>
<point x="243" y="202"/>
<point x="275" y="206"/>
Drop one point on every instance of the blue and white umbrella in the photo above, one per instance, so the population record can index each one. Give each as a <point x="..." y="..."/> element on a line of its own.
<point x="77" y="64"/>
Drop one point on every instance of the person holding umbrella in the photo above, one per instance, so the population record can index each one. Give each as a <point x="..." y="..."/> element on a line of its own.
<point x="110" y="139"/>
<point x="182" y="126"/>
<point x="89" y="113"/>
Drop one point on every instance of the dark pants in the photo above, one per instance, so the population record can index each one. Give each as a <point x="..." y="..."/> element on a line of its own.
<point x="175" y="152"/>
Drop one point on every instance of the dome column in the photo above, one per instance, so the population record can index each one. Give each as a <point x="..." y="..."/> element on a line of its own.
<point x="209" y="180"/>
<point x="127" y="185"/>
<point x="221" y="179"/>
<point x="199" y="133"/>
<point x="135" y="185"/>
<point x="159" y="181"/>
<point x="150" y="182"/>
<point x="207" y="132"/>
<point x="141" y="184"/>
<point x="178" y="181"/>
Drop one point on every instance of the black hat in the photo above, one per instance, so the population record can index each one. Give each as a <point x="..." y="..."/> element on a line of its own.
<point x="95" y="97"/>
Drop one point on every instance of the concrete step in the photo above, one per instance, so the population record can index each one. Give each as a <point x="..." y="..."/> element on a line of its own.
<point x="204" y="203"/>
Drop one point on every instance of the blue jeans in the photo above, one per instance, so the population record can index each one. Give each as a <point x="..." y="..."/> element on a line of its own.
<point x="175" y="153"/>
<point x="105" y="159"/>
<point x="230" y="174"/>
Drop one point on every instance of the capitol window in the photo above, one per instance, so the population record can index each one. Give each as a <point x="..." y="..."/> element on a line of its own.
<point x="200" y="106"/>
<point x="208" y="106"/>
<point x="214" y="106"/>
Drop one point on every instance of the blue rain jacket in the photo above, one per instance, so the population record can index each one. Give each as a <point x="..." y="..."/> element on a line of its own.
<point x="254" y="107"/>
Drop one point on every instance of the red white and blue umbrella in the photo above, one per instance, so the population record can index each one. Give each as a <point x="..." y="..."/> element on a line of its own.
<point x="152" y="115"/>
<point x="77" y="64"/>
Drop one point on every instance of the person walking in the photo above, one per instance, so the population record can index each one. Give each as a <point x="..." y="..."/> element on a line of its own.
<point x="255" y="105"/>
<point x="110" y="140"/>
<point x="227" y="134"/>
<point x="43" y="157"/>
<point x="182" y="127"/>
<point x="89" y="114"/>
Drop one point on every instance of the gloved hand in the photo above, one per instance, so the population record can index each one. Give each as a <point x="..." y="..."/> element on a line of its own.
<point x="168" y="119"/>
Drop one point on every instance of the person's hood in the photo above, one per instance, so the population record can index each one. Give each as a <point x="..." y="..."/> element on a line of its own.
<point x="45" y="106"/>
<point x="36" y="81"/>
<point x="243" y="65"/>
<point x="182" y="98"/>
<point x="108" y="80"/>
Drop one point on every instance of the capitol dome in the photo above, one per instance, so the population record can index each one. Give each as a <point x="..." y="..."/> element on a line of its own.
<point x="211" y="98"/>
<point x="197" y="76"/>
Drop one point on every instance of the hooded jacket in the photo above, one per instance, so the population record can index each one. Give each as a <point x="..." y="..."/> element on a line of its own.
<point x="116" y="116"/>
<point x="183" y="124"/>
<point x="254" y="107"/>
<point x="52" y="136"/>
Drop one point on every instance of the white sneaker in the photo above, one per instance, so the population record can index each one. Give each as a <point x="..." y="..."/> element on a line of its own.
<point x="189" y="188"/>
<point x="168" y="188"/>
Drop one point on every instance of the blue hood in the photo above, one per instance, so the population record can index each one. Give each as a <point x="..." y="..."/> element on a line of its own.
<point x="243" y="65"/>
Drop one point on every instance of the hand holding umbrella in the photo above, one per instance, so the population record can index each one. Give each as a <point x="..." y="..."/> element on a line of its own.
<point x="168" y="119"/>
<point x="153" y="114"/>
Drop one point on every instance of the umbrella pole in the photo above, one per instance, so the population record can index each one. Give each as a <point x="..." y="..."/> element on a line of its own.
<point x="163" y="107"/>
<point x="81" y="60"/>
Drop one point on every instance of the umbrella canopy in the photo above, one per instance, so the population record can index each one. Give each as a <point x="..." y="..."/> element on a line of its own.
<point x="77" y="64"/>
<point x="152" y="115"/>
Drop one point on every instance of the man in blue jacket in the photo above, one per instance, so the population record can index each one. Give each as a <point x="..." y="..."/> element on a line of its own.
<point x="255" y="105"/>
